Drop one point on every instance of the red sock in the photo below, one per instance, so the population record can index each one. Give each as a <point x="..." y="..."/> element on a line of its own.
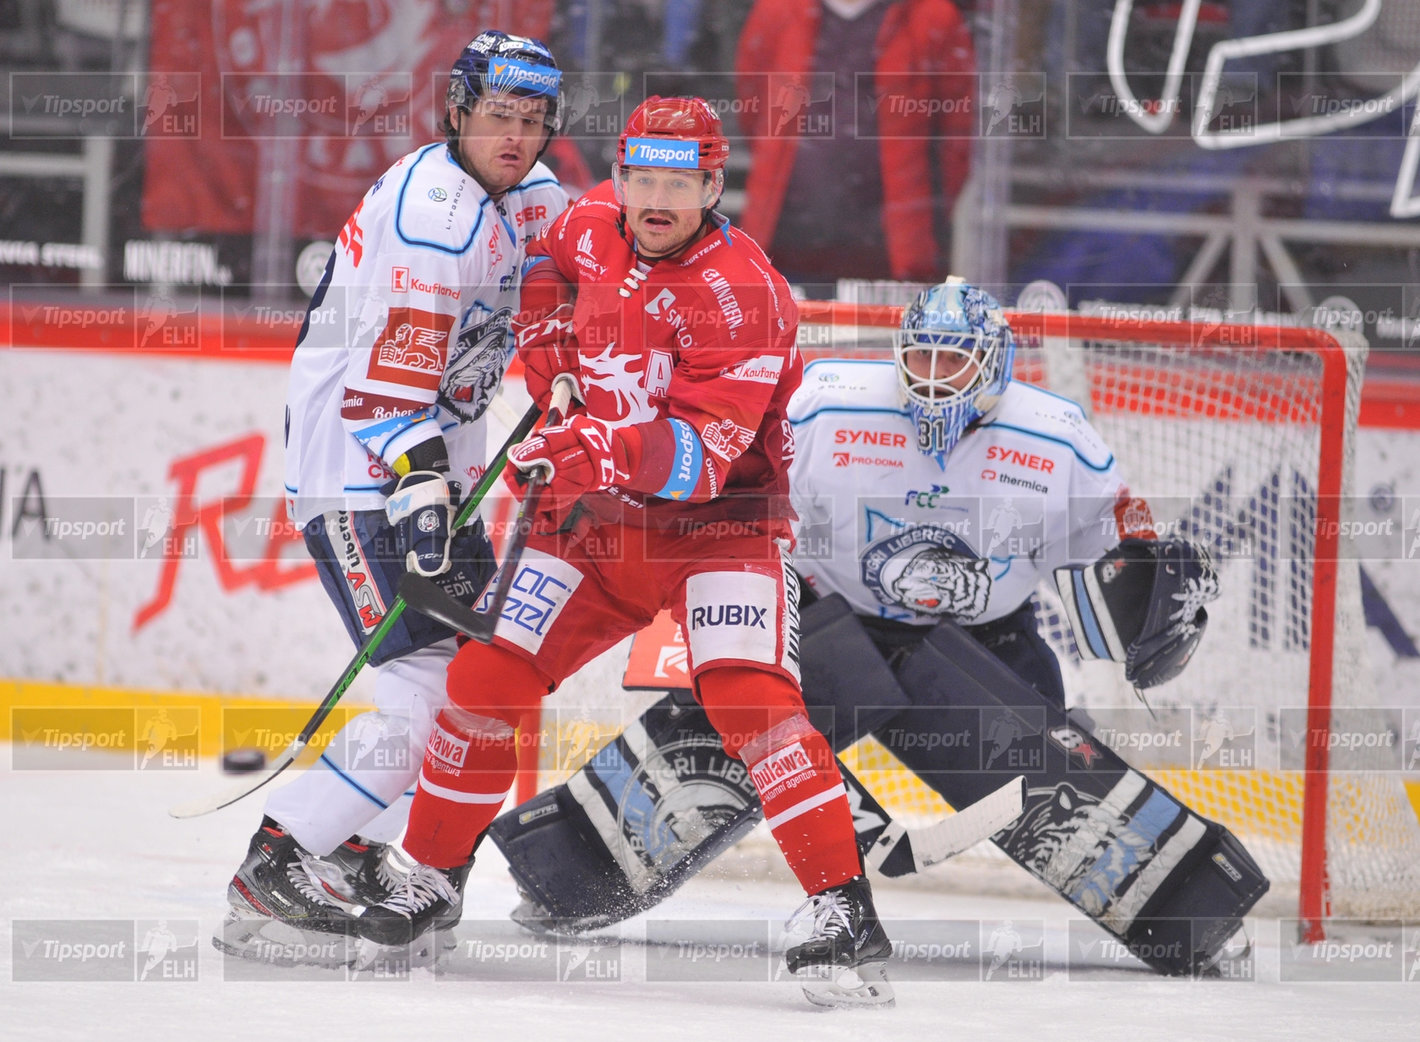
<point x="761" y="719"/>
<point x="471" y="761"/>
<point x="807" y="810"/>
<point x="469" y="766"/>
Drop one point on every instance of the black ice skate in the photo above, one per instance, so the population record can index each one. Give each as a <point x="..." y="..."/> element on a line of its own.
<point x="843" y="961"/>
<point x="282" y="910"/>
<point x="358" y="872"/>
<point x="423" y="900"/>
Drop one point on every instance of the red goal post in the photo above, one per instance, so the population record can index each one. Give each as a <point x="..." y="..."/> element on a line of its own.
<point x="1275" y="406"/>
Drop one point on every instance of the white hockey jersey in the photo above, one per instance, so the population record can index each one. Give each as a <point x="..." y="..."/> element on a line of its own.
<point x="1030" y="488"/>
<point x="408" y="327"/>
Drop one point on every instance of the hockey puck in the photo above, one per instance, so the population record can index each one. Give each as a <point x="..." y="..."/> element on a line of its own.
<point x="243" y="761"/>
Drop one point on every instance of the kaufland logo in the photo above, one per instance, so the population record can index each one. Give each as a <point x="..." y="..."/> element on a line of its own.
<point x="641" y="151"/>
<point x="511" y="74"/>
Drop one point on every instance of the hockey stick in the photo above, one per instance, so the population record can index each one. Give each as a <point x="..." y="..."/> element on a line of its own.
<point x="934" y="843"/>
<point x="431" y="600"/>
<point x="207" y="804"/>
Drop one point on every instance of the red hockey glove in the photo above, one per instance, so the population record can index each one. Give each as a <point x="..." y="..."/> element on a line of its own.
<point x="576" y="456"/>
<point x="547" y="347"/>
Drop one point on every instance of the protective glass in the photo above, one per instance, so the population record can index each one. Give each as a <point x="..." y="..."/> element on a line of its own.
<point x="652" y="188"/>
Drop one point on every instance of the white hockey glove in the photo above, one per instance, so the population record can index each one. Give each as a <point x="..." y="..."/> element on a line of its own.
<point x="422" y="513"/>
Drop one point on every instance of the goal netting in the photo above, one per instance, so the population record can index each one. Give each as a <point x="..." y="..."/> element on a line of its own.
<point x="1241" y="438"/>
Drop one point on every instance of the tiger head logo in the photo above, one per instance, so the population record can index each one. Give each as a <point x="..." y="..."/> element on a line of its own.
<point x="928" y="570"/>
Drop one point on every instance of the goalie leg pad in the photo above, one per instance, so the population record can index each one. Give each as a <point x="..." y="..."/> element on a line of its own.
<point x="1108" y="839"/>
<point x="1185" y="928"/>
<point x="594" y="851"/>
<point x="359" y="561"/>
<point x="848" y="687"/>
<point x="1015" y="639"/>
<point x="645" y="814"/>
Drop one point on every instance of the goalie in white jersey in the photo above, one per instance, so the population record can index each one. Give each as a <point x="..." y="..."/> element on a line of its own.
<point x="934" y="486"/>
<point x="404" y="345"/>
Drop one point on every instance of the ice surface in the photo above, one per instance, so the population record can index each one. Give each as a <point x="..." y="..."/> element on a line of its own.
<point x="89" y="843"/>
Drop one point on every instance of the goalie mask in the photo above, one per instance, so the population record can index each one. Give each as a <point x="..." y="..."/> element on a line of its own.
<point x="500" y="64"/>
<point x="954" y="352"/>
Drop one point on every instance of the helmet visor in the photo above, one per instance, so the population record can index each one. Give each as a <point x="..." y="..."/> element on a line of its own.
<point x="657" y="188"/>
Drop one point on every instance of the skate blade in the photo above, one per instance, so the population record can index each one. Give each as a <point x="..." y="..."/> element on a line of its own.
<point x="534" y="918"/>
<point x="257" y="938"/>
<point x="863" y="987"/>
<point x="390" y="959"/>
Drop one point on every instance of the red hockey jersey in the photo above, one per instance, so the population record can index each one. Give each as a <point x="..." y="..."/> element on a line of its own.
<point x="697" y="353"/>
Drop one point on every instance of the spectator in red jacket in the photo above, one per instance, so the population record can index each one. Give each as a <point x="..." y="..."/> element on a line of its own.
<point x="861" y="115"/>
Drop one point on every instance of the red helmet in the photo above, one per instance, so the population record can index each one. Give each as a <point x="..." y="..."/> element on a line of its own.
<point x="688" y="120"/>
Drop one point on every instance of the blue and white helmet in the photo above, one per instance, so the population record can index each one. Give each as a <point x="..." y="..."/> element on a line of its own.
<point x="501" y="63"/>
<point x="954" y="351"/>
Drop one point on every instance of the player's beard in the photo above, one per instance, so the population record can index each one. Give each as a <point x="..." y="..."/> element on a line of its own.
<point x="668" y="240"/>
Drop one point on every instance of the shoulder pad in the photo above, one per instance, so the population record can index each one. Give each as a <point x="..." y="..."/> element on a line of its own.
<point x="1036" y="409"/>
<point x="540" y="172"/>
<point x="439" y="205"/>
<point x="844" y="383"/>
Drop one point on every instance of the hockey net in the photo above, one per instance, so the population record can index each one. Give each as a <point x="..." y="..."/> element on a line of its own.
<point x="1242" y="438"/>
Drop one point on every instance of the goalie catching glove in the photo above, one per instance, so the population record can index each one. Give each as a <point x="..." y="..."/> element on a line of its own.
<point x="1141" y="604"/>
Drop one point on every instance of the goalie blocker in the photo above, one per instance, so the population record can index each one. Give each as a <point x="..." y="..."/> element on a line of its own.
<point x="663" y="799"/>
